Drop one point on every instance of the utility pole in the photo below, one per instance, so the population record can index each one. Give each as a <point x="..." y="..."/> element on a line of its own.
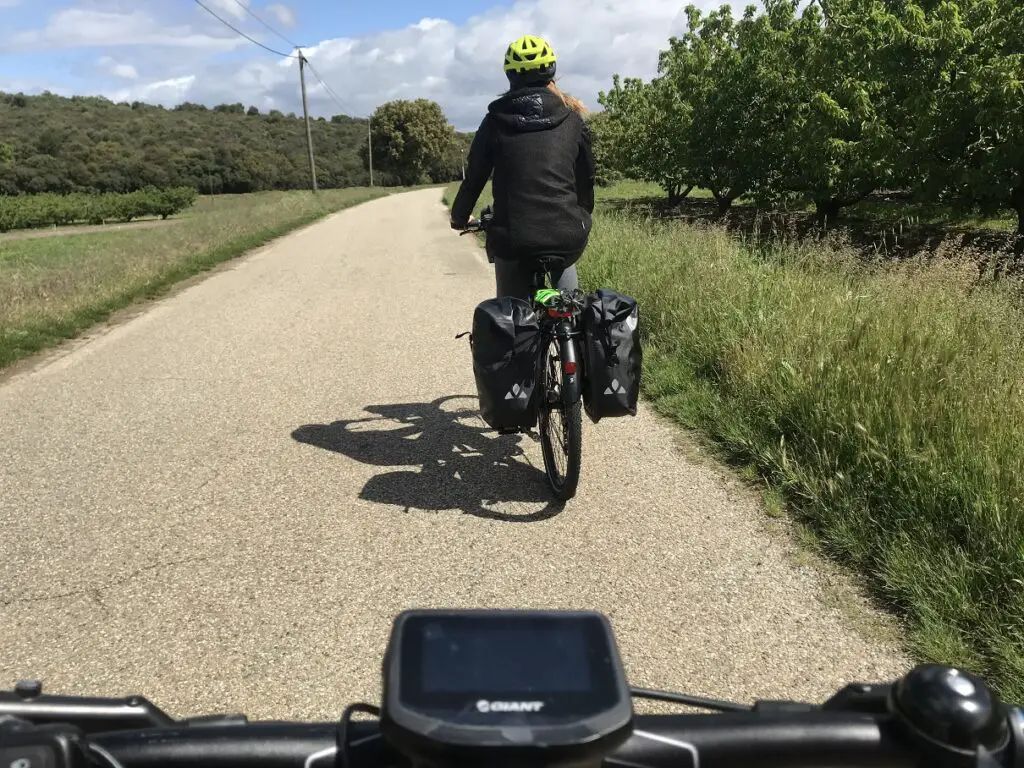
<point x="369" y="146"/>
<point x="305" y="111"/>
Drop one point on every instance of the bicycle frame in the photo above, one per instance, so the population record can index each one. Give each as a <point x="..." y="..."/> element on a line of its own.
<point x="560" y="324"/>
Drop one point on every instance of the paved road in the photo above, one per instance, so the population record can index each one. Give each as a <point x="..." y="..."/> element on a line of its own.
<point x="221" y="503"/>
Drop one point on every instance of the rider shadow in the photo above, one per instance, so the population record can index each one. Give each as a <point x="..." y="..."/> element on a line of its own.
<point x="462" y="465"/>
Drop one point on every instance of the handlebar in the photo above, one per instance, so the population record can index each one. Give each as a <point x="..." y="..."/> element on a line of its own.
<point x="860" y="725"/>
<point x="480" y="225"/>
<point x="711" y="741"/>
<point x="728" y="740"/>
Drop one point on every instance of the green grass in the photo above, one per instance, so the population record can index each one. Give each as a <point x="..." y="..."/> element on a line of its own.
<point x="884" y="403"/>
<point x="53" y="288"/>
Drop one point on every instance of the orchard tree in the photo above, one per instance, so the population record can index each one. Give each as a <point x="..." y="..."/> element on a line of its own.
<point x="968" y="139"/>
<point x="605" y="144"/>
<point x="846" y="135"/>
<point x="643" y="133"/>
<point x="759" y="89"/>
<point x="410" y="138"/>
<point x="735" y="112"/>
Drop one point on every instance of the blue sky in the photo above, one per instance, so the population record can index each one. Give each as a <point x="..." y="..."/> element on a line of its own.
<point x="168" y="51"/>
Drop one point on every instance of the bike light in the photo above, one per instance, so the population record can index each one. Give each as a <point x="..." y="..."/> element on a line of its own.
<point x="570" y="368"/>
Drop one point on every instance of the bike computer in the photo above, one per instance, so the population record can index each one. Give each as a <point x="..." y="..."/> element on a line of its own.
<point x="547" y="687"/>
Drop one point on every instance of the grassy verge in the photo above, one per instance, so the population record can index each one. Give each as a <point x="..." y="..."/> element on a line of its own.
<point x="884" y="401"/>
<point x="54" y="288"/>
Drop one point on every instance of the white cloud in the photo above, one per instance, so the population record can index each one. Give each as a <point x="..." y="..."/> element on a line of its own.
<point x="233" y="8"/>
<point x="282" y="13"/>
<point x="172" y="91"/>
<point x="457" y="64"/>
<point x="119" y="69"/>
<point x="88" y="28"/>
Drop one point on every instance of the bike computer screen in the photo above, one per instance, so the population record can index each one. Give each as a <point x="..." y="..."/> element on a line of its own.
<point x="504" y="680"/>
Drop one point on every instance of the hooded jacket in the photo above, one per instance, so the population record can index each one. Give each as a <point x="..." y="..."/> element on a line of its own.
<point x="539" y="151"/>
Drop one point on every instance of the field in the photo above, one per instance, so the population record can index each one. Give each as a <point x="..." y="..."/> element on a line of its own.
<point x="882" y="402"/>
<point x="53" y="288"/>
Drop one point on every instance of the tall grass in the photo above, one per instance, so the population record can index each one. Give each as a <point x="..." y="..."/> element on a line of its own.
<point x="53" y="288"/>
<point x="886" y="402"/>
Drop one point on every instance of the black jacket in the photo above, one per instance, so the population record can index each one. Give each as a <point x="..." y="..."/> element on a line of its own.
<point x="539" y="151"/>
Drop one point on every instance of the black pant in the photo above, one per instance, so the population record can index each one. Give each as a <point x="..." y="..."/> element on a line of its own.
<point x="513" y="277"/>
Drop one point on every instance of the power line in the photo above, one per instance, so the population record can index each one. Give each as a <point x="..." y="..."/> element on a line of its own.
<point x="330" y="91"/>
<point x="252" y="13"/>
<point x="240" y="32"/>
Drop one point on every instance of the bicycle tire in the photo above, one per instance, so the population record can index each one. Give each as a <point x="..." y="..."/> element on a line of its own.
<point x="563" y="485"/>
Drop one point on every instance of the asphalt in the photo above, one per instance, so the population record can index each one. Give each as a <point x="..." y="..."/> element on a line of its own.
<point x="221" y="503"/>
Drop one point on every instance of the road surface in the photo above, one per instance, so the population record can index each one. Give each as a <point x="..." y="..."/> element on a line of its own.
<point x="221" y="503"/>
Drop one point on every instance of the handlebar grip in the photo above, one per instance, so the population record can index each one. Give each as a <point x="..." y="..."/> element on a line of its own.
<point x="256" y="745"/>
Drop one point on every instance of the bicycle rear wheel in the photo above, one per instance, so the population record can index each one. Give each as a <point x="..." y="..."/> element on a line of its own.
<point x="561" y="428"/>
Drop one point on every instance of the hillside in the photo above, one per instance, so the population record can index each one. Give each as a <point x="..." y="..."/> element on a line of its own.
<point x="51" y="143"/>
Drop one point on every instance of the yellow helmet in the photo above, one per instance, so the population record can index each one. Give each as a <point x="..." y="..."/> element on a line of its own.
<point x="530" y="59"/>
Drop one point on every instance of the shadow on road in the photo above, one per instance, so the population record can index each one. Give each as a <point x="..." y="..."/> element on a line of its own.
<point x="462" y="465"/>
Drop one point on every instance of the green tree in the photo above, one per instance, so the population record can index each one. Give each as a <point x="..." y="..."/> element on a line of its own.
<point x="100" y="146"/>
<point x="605" y="143"/>
<point x="844" y="136"/>
<point x="706" y="69"/>
<point x="966" y="144"/>
<point x="643" y="133"/>
<point x="409" y="139"/>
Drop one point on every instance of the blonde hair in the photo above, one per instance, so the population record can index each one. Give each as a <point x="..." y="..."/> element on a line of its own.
<point x="571" y="102"/>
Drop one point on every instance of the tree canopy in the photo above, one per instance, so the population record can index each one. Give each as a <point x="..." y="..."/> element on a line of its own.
<point x="413" y="142"/>
<point x="828" y="103"/>
<point x="50" y="143"/>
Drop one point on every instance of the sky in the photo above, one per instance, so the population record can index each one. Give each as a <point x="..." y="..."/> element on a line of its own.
<point x="367" y="53"/>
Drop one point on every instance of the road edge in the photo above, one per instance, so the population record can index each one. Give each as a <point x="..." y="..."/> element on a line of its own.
<point x="230" y="259"/>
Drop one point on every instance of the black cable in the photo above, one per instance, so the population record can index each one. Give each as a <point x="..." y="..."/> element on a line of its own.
<point x="248" y="10"/>
<point x="330" y="91"/>
<point x="106" y="758"/>
<point x="341" y="734"/>
<point x="240" y="32"/>
<point x="691" y="701"/>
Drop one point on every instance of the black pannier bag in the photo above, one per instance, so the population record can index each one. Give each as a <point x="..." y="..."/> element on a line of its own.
<point x="612" y="355"/>
<point x="506" y="352"/>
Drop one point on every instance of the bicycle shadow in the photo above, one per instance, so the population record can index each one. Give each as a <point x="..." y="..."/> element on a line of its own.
<point x="462" y="465"/>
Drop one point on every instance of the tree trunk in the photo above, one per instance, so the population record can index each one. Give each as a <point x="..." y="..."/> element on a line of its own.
<point x="1017" y="201"/>
<point x="828" y="210"/>
<point x="676" y="193"/>
<point x="724" y="201"/>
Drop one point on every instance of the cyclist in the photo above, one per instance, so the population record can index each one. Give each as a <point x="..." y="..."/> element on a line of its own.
<point x="537" y="144"/>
